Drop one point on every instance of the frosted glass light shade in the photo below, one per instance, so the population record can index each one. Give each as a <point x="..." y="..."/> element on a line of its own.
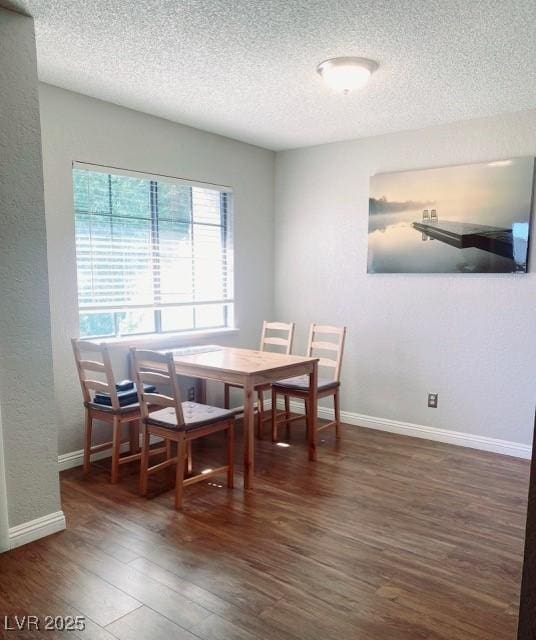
<point x="346" y="74"/>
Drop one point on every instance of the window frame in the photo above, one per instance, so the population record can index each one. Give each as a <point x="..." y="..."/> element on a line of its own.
<point x="227" y="304"/>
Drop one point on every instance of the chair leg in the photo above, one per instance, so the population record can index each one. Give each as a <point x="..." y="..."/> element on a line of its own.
<point x="312" y="437"/>
<point x="337" y="411"/>
<point x="230" y="455"/>
<point x="169" y="455"/>
<point x="87" y="441"/>
<point x="179" y="475"/>
<point x="260" y="413"/>
<point x="116" y="448"/>
<point x="274" y="415"/>
<point x="189" y="463"/>
<point x="306" y="404"/>
<point x="287" y="416"/>
<point x="134" y="433"/>
<point x="226" y="396"/>
<point x="144" y="475"/>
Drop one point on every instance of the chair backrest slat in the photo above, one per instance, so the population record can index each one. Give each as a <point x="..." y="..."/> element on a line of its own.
<point x="158" y="399"/>
<point x="326" y="362"/>
<point x="326" y="328"/>
<point x="97" y="385"/>
<point x="104" y="366"/>
<point x="88" y="345"/>
<point x="335" y="346"/>
<point x="284" y="340"/>
<point x="153" y="356"/>
<point x="92" y="365"/>
<point x="152" y="377"/>
<point x="279" y="341"/>
<point x="278" y="326"/>
<point x="325" y="346"/>
<point x="144" y="364"/>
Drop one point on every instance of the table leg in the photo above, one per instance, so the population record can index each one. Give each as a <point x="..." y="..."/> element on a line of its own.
<point x="249" y="435"/>
<point x="201" y="391"/>
<point x="313" y="409"/>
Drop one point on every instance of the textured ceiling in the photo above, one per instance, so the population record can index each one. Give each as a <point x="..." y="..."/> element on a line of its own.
<point x="246" y="68"/>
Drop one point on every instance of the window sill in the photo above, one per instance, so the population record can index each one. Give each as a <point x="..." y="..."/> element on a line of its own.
<point x="165" y="340"/>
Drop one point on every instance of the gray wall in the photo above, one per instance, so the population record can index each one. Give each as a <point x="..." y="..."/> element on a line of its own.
<point x="26" y="384"/>
<point x="76" y="127"/>
<point x="471" y="338"/>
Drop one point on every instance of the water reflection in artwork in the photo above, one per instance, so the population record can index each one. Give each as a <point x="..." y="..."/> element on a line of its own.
<point x="464" y="219"/>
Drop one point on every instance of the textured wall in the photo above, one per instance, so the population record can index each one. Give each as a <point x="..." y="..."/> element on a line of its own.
<point x="75" y="127"/>
<point x="470" y="338"/>
<point x="26" y="384"/>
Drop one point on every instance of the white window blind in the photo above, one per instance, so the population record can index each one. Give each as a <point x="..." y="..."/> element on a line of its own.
<point x="154" y="254"/>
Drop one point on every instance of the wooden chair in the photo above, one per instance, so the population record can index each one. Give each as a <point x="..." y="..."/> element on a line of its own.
<point x="281" y="342"/>
<point x="332" y="344"/>
<point x="176" y="421"/>
<point x="114" y="414"/>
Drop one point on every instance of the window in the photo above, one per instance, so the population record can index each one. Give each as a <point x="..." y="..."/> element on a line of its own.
<point x="153" y="254"/>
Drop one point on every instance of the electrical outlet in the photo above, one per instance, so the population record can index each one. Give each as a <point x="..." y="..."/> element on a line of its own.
<point x="191" y="394"/>
<point x="432" y="400"/>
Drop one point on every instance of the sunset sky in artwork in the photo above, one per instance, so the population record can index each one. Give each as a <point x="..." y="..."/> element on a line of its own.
<point x="495" y="193"/>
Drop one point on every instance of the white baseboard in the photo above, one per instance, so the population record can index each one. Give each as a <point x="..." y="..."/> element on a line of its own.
<point x="458" y="438"/>
<point x="76" y="458"/>
<point x="35" y="529"/>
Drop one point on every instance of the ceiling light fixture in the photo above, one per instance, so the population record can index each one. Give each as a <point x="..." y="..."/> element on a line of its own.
<point x="346" y="74"/>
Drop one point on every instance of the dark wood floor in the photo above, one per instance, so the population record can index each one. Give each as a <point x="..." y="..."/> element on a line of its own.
<point x="384" y="538"/>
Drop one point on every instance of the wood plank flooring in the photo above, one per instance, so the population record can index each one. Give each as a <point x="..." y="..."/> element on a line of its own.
<point x="384" y="538"/>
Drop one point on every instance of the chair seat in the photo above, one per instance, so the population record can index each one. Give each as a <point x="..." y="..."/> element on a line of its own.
<point x="127" y="408"/>
<point x="301" y="383"/>
<point x="195" y="415"/>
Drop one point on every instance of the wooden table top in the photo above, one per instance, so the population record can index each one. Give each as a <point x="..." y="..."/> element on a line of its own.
<point x="242" y="361"/>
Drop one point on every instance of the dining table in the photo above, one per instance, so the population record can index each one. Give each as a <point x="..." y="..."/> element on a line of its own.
<point x="248" y="368"/>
